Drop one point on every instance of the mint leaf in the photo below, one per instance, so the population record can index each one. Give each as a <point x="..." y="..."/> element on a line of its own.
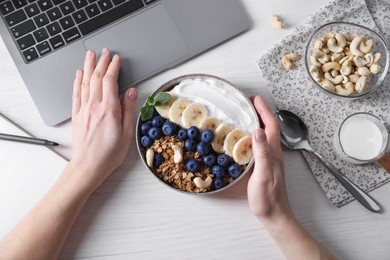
<point x="146" y="112"/>
<point x="150" y="101"/>
<point x="161" y="98"/>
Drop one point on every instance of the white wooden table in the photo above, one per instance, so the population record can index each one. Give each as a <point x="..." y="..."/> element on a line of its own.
<point x="133" y="216"/>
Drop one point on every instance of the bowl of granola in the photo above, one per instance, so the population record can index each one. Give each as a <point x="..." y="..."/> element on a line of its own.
<point x="346" y="60"/>
<point x="194" y="134"/>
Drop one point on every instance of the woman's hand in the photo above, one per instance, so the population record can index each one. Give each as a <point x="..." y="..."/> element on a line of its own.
<point x="102" y="123"/>
<point x="267" y="192"/>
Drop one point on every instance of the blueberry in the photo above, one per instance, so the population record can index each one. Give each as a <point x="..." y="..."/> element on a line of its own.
<point x="203" y="149"/>
<point x="218" y="183"/>
<point x="182" y="134"/>
<point x="218" y="171"/>
<point x="190" y="145"/>
<point x="155" y="133"/>
<point x="193" y="165"/>
<point x="207" y="136"/>
<point x="223" y="160"/>
<point x="210" y="160"/>
<point x="158" y="160"/>
<point x="234" y="170"/>
<point x="145" y="127"/>
<point x="146" y="141"/>
<point x="158" y="121"/>
<point x="169" y="128"/>
<point x="193" y="132"/>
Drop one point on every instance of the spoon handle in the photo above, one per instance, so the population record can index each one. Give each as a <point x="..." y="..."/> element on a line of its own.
<point x="360" y="195"/>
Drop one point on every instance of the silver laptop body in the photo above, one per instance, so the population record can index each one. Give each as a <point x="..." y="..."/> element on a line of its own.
<point x="155" y="36"/>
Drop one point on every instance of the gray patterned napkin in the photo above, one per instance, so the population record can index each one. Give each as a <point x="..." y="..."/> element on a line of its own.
<point x="293" y="91"/>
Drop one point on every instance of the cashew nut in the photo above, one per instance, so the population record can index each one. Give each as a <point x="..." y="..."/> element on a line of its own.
<point x="346" y="68"/>
<point x="335" y="80"/>
<point x="327" y="84"/>
<point x="375" y="68"/>
<point x="334" y="73"/>
<point x="353" y="78"/>
<point x="361" y="84"/>
<point x="337" y="44"/>
<point x="178" y="153"/>
<point x="359" y="61"/>
<point x="277" y="22"/>
<point x="149" y="157"/>
<point x="318" y="45"/>
<point x="345" y="79"/>
<point x="316" y="72"/>
<point x="354" y="47"/>
<point x="203" y="184"/>
<point x="336" y="57"/>
<point x="363" y="71"/>
<point x="288" y="59"/>
<point x="347" y="57"/>
<point x="366" y="46"/>
<point x="369" y="58"/>
<point x="377" y="57"/>
<point x="345" y="90"/>
<point x="318" y="58"/>
<point x="330" y="66"/>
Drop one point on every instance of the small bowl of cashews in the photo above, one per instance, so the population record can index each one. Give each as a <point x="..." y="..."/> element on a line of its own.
<point x="346" y="60"/>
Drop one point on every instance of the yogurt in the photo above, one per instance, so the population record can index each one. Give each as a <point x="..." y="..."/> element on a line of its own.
<point x="361" y="138"/>
<point x="221" y="100"/>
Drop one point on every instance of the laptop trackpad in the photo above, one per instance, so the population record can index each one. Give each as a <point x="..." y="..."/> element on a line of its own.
<point x="147" y="43"/>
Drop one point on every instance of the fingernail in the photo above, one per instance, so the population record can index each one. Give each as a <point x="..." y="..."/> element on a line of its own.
<point x="78" y="73"/>
<point x="89" y="53"/>
<point x="104" y="51"/>
<point x="260" y="135"/>
<point x="132" y="94"/>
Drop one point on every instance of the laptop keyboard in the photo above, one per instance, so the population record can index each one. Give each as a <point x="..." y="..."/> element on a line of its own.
<point x="40" y="27"/>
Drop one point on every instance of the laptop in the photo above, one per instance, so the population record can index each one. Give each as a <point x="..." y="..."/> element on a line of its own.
<point x="48" y="39"/>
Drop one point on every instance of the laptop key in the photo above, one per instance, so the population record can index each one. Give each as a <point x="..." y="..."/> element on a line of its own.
<point x="54" y="14"/>
<point x="71" y="35"/>
<point x="79" y="16"/>
<point x="6" y="7"/>
<point x="26" y="41"/>
<point x="43" y="48"/>
<point x="57" y="2"/>
<point x="66" y="22"/>
<point x="23" y="28"/>
<point x="30" y="54"/>
<point x="57" y="42"/>
<point x="40" y="34"/>
<point x="80" y="3"/>
<point x="53" y="28"/>
<point x="15" y="17"/>
<point x="117" y="2"/>
<point x="105" y="5"/>
<point x="19" y="3"/>
<point x="67" y="8"/>
<point x="45" y="4"/>
<point x="92" y="10"/>
<point x="110" y="16"/>
<point x="32" y="10"/>
<point x="41" y="20"/>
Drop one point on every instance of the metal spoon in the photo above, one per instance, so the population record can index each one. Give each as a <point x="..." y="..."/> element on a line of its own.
<point x="294" y="135"/>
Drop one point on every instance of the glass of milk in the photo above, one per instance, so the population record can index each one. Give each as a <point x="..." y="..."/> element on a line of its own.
<point x="361" y="138"/>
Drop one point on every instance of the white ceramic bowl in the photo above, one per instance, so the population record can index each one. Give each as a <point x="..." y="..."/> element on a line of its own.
<point x="168" y="86"/>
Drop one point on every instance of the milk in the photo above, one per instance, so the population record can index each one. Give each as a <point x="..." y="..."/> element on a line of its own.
<point x="361" y="138"/>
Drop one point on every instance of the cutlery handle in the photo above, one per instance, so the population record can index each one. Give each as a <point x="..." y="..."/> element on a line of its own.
<point x="360" y="195"/>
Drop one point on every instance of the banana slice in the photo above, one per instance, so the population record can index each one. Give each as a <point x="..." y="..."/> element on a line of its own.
<point x="209" y="123"/>
<point x="231" y="139"/>
<point x="163" y="110"/>
<point x="220" y="133"/>
<point x="242" y="150"/>
<point x="193" y="115"/>
<point x="176" y="110"/>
